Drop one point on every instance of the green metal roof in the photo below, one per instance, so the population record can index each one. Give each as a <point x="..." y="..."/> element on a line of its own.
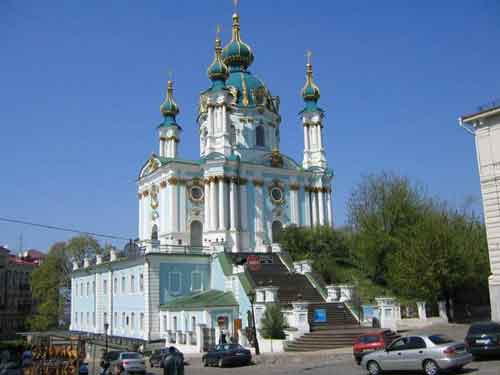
<point x="208" y="298"/>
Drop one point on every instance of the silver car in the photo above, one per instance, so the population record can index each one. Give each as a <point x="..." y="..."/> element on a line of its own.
<point x="430" y="353"/>
<point x="131" y="362"/>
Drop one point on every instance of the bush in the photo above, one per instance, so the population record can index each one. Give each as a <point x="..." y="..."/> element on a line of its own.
<point x="273" y="323"/>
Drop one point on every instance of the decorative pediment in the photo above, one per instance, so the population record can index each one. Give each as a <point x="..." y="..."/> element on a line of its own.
<point x="151" y="166"/>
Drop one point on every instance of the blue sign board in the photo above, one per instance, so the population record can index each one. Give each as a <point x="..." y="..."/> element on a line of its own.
<point x="319" y="315"/>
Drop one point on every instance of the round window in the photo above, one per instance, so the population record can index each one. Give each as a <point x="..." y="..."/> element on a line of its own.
<point x="277" y="194"/>
<point x="196" y="193"/>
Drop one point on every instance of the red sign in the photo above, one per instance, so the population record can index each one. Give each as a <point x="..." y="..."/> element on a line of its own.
<point x="253" y="262"/>
<point x="221" y="320"/>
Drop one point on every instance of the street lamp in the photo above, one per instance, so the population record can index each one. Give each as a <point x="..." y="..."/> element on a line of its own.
<point x="251" y="296"/>
<point x="106" y="326"/>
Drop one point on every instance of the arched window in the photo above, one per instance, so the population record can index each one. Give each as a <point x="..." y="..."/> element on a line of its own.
<point x="276" y="229"/>
<point x="260" y="138"/>
<point x="154" y="233"/>
<point x="196" y="233"/>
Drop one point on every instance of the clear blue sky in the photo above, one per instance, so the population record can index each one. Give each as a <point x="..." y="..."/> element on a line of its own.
<point x="81" y="84"/>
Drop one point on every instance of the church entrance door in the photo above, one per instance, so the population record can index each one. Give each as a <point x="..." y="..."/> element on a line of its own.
<point x="276" y="228"/>
<point x="196" y="234"/>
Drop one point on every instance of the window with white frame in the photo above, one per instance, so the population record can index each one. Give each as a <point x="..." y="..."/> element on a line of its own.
<point x="132" y="284"/>
<point x="76" y="317"/>
<point x="174" y="282"/>
<point x="123" y="320"/>
<point x="174" y="323"/>
<point x="88" y="288"/>
<point x="141" y="322"/>
<point x="105" y="318"/>
<point x="123" y="284"/>
<point x="105" y="287"/>
<point x="115" y="319"/>
<point x="76" y="289"/>
<point x="115" y="286"/>
<point x="193" y="323"/>
<point x="196" y="281"/>
<point x="165" y="324"/>
<point x="93" y="288"/>
<point x="81" y="318"/>
<point x="132" y="321"/>
<point x="93" y="319"/>
<point x="88" y="319"/>
<point x="81" y="289"/>
<point x="141" y="282"/>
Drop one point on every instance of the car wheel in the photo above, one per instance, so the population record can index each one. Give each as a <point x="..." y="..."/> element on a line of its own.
<point x="373" y="368"/>
<point x="431" y="367"/>
<point x="221" y="362"/>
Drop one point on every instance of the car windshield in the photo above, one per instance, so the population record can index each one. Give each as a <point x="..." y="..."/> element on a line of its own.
<point x="131" y="356"/>
<point x="369" y="339"/>
<point x="484" y="328"/>
<point x="440" y="339"/>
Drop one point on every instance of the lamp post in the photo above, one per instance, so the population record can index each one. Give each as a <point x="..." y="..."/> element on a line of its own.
<point x="251" y="296"/>
<point x="106" y="326"/>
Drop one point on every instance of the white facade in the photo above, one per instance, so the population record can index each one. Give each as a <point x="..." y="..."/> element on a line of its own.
<point x="485" y="125"/>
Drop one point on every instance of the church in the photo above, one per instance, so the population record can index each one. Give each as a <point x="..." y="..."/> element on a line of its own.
<point x="200" y="220"/>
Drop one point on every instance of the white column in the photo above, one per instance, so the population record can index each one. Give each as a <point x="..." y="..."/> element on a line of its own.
<point x="224" y="120"/>
<point x="182" y="207"/>
<point x="314" y="208"/>
<point x="164" y="208"/>
<point x="259" y="213"/>
<point x="139" y="198"/>
<point x="294" y="205"/>
<point x="306" y="139"/>
<point x="307" y="208"/>
<point x="222" y="204"/>
<point x="329" y="207"/>
<point x="214" y="214"/>
<point x="206" y="203"/>
<point x="321" y="207"/>
<point x="243" y="206"/>
<point x="173" y="205"/>
<point x="233" y="204"/>
<point x="318" y="135"/>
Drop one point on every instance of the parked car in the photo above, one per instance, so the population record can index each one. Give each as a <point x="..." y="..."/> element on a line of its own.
<point x="371" y="341"/>
<point x="156" y="359"/>
<point x="430" y="353"/>
<point x="131" y="362"/>
<point x="226" y="355"/>
<point x="483" y="339"/>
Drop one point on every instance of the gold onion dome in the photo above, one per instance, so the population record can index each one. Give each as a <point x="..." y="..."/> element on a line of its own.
<point x="218" y="71"/>
<point x="310" y="92"/>
<point x="237" y="54"/>
<point x="169" y="107"/>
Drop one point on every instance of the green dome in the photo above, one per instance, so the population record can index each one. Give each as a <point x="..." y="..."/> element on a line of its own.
<point x="169" y="108"/>
<point x="218" y="71"/>
<point x="249" y="87"/>
<point x="237" y="54"/>
<point x="310" y="92"/>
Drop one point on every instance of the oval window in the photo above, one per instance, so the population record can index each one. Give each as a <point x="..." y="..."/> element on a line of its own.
<point x="276" y="194"/>
<point x="196" y="193"/>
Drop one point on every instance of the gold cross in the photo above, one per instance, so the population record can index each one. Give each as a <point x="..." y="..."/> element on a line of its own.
<point x="235" y="4"/>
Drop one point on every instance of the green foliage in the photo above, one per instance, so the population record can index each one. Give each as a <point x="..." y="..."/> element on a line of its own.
<point x="51" y="281"/>
<point x="273" y="323"/>
<point x="323" y="245"/>
<point x="400" y="242"/>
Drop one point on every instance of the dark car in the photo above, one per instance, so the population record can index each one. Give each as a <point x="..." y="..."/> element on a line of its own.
<point x="156" y="359"/>
<point x="371" y="341"/>
<point x="227" y="355"/>
<point x="483" y="339"/>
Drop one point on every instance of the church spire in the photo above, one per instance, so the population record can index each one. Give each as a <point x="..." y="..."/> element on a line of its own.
<point x="218" y="71"/>
<point x="169" y="107"/>
<point x="237" y="54"/>
<point x="169" y="130"/>
<point x="310" y="92"/>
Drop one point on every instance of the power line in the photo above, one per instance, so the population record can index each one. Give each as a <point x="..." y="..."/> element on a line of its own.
<point x="63" y="229"/>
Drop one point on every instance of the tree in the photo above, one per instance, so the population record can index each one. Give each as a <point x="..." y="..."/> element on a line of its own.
<point x="382" y="210"/>
<point x="273" y="323"/>
<point x="51" y="281"/>
<point x="325" y="246"/>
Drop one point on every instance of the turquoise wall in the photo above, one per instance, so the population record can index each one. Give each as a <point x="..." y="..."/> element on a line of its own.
<point x="185" y="271"/>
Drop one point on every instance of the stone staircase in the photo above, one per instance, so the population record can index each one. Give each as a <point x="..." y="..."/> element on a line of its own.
<point x="339" y="330"/>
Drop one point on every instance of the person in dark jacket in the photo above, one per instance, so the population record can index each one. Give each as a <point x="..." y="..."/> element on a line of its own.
<point x="173" y="364"/>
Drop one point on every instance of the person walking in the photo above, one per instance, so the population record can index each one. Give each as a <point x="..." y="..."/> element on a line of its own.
<point x="173" y="364"/>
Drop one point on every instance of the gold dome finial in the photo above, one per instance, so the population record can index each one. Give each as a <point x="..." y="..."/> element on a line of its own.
<point x="310" y="91"/>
